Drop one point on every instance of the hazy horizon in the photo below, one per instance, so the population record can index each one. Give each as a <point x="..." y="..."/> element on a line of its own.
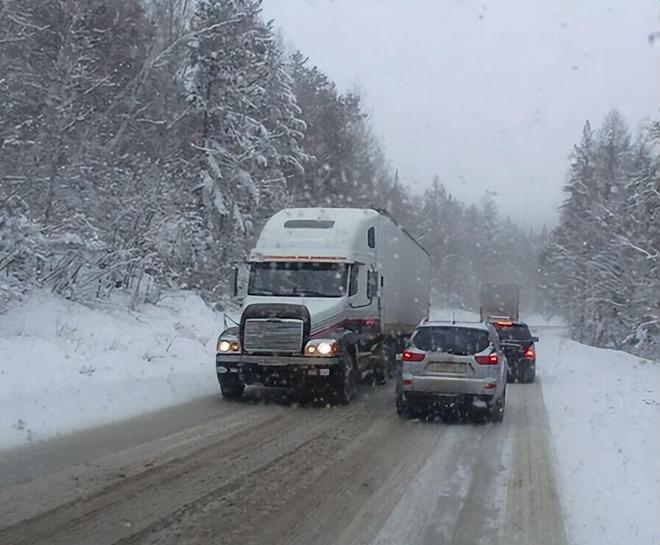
<point x="489" y="97"/>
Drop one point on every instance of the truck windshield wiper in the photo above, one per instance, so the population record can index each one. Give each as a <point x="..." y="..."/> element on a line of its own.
<point x="261" y="292"/>
<point x="310" y="293"/>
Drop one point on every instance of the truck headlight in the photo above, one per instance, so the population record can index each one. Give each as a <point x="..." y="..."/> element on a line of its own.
<point x="225" y="346"/>
<point x="322" y="348"/>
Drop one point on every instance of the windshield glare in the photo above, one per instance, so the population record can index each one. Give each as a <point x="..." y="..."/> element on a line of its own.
<point x="298" y="279"/>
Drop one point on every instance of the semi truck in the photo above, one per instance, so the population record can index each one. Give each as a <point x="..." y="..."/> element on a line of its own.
<point x="332" y="295"/>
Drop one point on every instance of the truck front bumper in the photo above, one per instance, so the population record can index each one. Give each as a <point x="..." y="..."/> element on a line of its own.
<point x="279" y="371"/>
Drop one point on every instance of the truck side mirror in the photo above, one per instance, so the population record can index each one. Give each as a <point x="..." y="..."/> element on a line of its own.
<point x="372" y="284"/>
<point x="234" y="281"/>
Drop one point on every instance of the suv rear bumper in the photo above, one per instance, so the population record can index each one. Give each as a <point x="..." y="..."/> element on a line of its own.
<point x="448" y="386"/>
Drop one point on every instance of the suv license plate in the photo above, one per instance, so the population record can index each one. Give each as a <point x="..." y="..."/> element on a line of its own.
<point x="454" y="368"/>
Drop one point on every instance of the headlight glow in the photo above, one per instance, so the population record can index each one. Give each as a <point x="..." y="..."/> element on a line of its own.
<point x="321" y="348"/>
<point x="225" y="346"/>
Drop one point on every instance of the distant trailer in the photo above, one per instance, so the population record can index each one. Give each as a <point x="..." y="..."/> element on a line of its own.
<point x="499" y="302"/>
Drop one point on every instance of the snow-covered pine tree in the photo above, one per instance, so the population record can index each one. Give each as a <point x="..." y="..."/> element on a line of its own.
<point x="565" y="259"/>
<point x="248" y="131"/>
<point x="600" y="266"/>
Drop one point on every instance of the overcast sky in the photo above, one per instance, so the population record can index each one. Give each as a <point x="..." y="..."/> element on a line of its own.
<point x="488" y="95"/>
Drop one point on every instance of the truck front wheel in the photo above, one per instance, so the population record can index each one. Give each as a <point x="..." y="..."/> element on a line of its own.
<point x="231" y="388"/>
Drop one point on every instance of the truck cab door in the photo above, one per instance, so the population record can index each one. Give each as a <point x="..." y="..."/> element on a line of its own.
<point x="372" y="284"/>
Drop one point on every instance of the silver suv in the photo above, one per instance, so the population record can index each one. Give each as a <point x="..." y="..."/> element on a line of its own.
<point x="458" y="364"/>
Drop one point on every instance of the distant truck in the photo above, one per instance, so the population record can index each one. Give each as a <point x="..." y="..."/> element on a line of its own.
<point x="499" y="302"/>
<point x="331" y="297"/>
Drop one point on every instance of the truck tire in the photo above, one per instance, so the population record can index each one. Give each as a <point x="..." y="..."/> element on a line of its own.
<point x="379" y="370"/>
<point x="343" y="388"/>
<point x="384" y="362"/>
<point x="231" y="389"/>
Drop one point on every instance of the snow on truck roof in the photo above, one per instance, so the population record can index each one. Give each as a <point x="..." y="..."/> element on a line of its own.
<point x="319" y="234"/>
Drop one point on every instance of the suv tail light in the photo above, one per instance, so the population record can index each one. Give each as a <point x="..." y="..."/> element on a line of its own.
<point x="530" y="353"/>
<point x="411" y="356"/>
<point x="490" y="359"/>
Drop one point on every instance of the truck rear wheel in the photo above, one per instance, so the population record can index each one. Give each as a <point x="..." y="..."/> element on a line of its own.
<point x="343" y="390"/>
<point x="384" y="362"/>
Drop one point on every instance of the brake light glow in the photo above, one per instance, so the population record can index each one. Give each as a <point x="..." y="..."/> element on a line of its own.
<point x="505" y="324"/>
<point x="490" y="359"/>
<point x="530" y="353"/>
<point x="411" y="356"/>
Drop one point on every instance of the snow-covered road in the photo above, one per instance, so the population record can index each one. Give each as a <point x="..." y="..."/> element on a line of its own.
<point x="275" y="473"/>
<point x="574" y="462"/>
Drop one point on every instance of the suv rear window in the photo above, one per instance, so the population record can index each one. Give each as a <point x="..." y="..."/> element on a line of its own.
<point x="515" y="332"/>
<point x="460" y="341"/>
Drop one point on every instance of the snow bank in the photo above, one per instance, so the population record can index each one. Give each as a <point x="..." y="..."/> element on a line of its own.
<point x="64" y="366"/>
<point x="604" y="411"/>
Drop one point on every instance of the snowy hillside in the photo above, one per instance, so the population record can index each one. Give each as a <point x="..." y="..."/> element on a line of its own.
<point x="65" y="366"/>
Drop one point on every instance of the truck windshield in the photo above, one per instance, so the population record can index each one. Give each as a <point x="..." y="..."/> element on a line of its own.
<point x="298" y="279"/>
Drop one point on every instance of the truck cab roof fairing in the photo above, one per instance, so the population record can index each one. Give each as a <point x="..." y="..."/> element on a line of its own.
<point x="315" y="234"/>
<point x="259" y="258"/>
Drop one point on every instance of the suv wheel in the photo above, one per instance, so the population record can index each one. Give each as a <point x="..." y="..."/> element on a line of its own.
<point x="403" y="407"/>
<point x="497" y="408"/>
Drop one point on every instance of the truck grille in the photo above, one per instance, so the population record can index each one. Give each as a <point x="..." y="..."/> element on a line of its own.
<point x="273" y="335"/>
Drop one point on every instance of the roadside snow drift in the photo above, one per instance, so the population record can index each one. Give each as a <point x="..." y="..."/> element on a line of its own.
<point x="604" y="411"/>
<point x="64" y="366"/>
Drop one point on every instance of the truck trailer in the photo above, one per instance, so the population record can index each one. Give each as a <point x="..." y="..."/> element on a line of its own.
<point x="332" y="295"/>
<point x="499" y="302"/>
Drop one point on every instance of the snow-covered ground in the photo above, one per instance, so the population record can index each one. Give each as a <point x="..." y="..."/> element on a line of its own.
<point x="604" y="411"/>
<point x="64" y="366"/>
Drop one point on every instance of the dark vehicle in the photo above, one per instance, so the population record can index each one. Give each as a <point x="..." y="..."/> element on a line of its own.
<point x="457" y="365"/>
<point x="499" y="302"/>
<point x="518" y="345"/>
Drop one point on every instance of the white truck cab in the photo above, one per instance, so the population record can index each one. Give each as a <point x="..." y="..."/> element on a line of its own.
<point x="331" y="294"/>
